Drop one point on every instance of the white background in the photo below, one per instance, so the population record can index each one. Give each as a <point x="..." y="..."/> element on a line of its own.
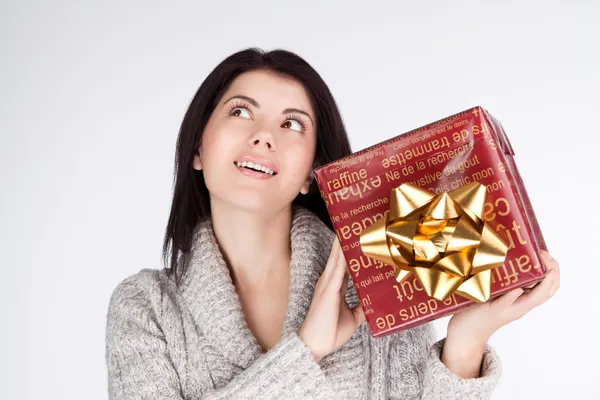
<point x="92" y="94"/>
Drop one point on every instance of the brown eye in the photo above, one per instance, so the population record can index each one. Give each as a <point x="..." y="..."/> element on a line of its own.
<point x="241" y="112"/>
<point x="293" y="125"/>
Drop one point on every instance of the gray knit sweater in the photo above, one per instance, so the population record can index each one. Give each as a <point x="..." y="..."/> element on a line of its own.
<point x="191" y="341"/>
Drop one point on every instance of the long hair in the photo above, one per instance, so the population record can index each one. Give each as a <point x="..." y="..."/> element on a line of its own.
<point x="190" y="195"/>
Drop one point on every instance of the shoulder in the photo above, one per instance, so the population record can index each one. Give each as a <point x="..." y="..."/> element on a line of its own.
<point x="138" y="298"/>
<point x="141" y="287"/>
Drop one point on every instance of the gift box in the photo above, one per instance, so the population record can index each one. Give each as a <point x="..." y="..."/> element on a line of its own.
<point x="433" y="220"/>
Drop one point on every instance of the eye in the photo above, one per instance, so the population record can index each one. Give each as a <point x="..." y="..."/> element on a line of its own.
<point x="293" y="125"/>
<point x="240" y="109"/>
<point x="241" y="112"/>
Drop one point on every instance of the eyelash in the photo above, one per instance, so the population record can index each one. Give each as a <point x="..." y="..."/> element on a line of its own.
<point x="236" y="105"/>
<point x="291" y="117"/>
<point x="298" y="119"/>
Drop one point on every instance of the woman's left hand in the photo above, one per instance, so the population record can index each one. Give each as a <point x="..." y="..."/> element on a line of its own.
<point x="469" y="330"/>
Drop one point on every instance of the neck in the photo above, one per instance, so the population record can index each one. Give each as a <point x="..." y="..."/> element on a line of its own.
<point x="253" y="245"/>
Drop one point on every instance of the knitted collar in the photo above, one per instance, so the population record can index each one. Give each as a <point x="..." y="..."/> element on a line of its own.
<point x="208" y="290"/>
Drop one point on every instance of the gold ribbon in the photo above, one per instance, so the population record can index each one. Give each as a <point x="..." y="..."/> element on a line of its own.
<point x="441" y="239"/>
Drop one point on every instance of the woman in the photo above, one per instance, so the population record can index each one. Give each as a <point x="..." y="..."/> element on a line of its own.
<point x="255" y="302"/>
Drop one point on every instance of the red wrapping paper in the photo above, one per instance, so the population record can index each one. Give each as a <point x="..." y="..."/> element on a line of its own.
<point x="439" y="157"/>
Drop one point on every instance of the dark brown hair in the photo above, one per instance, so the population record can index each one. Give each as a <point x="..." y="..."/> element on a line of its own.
<point x="190" y="196"/>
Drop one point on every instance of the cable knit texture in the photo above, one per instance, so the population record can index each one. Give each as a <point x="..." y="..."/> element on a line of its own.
<point x="191" y="341"/>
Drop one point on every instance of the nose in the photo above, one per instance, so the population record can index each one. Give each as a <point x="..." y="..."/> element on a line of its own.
<point x="262" y="138"/>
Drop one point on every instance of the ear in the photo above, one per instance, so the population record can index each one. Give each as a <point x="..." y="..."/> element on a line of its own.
<point x="197" y="164"/>
<point x="306" y="185"/>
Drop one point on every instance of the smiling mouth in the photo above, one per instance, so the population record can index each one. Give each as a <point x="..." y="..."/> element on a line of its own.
<point x="254" y="167"/>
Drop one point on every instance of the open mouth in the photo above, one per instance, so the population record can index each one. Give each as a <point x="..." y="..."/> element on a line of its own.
<point x="255" y="167"/>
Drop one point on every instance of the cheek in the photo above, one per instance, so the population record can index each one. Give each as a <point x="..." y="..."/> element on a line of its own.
<point x="216" y="146"/>
<point x="300" y="157"/>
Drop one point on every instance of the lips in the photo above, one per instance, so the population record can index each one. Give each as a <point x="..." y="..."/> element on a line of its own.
<point x="254" y="167"/>
<point x="258" y="164"/>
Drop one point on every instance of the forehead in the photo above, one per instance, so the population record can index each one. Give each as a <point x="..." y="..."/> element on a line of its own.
<point x="271" y="91"/>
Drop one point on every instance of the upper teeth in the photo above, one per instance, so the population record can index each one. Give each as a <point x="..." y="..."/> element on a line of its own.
<point x="255" y="166"/>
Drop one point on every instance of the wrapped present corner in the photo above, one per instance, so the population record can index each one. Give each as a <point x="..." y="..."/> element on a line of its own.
<point x="433" y="220"/>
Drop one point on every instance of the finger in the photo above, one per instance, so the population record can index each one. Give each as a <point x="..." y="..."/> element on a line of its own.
<point x="538" y="295"/>
<point x="548" y="261"/>
<point x="556" y="283"/>
<point x="359" y="315"/>
<point x="344" y="287"/>
<point x="331" y="264"/>
<point x="337" y="275"/>
<point x="467" y="307"/>
<point x="553" y="271"/>
<point x="333" y="254"/>
<point x="508" y="298"/>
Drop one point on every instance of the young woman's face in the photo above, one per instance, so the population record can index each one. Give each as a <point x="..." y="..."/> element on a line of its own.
<point x="263" y="122"/>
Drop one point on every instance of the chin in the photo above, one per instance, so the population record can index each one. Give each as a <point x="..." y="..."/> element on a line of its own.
<point x="258" y="202"/>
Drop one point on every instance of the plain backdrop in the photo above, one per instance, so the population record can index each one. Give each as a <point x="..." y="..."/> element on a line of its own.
<point x="92" y="95"/>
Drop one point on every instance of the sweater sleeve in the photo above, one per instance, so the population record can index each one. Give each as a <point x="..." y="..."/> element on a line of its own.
<point x="417" y="372"/>
<point x="139" y="365"/>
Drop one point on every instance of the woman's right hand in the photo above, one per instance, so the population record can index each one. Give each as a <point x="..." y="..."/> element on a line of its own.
<point x="330" y="322"/>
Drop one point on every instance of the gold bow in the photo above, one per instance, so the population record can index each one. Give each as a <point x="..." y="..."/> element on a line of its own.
<point x="441" y="239"/>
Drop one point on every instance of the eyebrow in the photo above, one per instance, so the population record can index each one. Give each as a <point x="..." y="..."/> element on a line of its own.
<point x="255" y="104"/>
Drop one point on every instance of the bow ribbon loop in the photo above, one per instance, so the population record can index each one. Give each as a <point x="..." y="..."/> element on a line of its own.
<point x="440" y="239"/>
